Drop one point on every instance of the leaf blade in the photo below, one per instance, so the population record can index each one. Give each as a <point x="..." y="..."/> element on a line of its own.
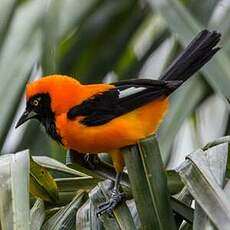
<point x="148" y="183"/>
<point x="14" y="190"/>
<point x="205" y="189"/>
<point x="42" y="184"/>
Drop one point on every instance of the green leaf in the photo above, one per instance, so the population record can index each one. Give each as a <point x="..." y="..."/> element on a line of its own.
<point x="53" y="164"/>
<point x="63" y="199"/>
<point x="7" y="11"/>
<point x="216" y="158"/>
<point x="174" y="182"/>
<point x="182" y="209"/>
<point x="184" y="197"/>
<point x="58" y="25"/>
<point x="78" y="13"/>
<point x="202" y="10"/>
<point x="86" y="218"/>
<point x="22" y="38"/>
<point x="14" y="191"/>
<point x="202" y="184"/>
<point x="42" y="184"/>
<point x="130" y="63"/>
<point x="50" y="27"/>
<point x="51" y="211"/>
<point x="120" y="21"/>
<point x="201" y="220"/>
<point x="218" y="141"/>
<point x="37" y="215"/>
<point x="73" y="183"/>
<point x="66" y="215"/>
<point x="221" y="22"/>
<point x="149" y="185"/>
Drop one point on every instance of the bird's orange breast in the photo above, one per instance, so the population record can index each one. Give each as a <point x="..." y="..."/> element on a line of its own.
<point x="121" y="131"/>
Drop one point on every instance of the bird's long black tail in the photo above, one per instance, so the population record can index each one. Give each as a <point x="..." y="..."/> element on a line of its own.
<point x="200" y="50"/>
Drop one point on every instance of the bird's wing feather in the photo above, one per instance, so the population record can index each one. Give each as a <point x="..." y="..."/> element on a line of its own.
<point x="123" y="98"/>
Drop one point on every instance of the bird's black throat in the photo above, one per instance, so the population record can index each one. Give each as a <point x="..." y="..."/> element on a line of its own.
<point x="45" y="114"/>
<point x="50" y="127"/>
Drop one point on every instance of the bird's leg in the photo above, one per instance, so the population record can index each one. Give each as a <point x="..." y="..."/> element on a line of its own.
<point x="115" y="199"/>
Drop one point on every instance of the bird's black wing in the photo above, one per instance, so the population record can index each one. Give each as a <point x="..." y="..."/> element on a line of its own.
<point x="129" y="95"/>
<point x="123" y="98"/>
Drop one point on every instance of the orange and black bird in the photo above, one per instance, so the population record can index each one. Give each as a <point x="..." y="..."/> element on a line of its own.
<point x="103" y="117"/>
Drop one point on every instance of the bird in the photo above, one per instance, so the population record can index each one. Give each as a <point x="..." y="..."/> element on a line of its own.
<point x="105" y="117"/>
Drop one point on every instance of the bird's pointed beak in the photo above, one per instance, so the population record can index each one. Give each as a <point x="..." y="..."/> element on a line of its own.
<point x="25" y="117"/>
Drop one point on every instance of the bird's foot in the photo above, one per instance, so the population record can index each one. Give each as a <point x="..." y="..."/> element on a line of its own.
<point x="108" y="206"/>
<point x="91" y="161"/>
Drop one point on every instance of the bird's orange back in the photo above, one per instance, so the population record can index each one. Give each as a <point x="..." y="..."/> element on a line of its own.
<point x="65" y="92"/>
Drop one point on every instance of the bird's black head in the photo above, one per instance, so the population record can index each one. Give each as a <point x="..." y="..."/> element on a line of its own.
<point x="39" y="107"/>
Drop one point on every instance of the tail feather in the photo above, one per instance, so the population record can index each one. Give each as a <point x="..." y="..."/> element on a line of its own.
<point x="193" y="57"/>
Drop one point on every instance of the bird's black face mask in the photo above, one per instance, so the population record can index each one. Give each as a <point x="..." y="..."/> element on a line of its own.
<point x="36" y="107"/>
<point x="39" y="107"/>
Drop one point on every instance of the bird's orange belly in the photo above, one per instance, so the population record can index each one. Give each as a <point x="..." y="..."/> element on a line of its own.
<point x="122" y="131"/>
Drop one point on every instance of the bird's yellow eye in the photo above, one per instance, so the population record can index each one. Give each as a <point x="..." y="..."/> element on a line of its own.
<point x="35" y="102"/>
